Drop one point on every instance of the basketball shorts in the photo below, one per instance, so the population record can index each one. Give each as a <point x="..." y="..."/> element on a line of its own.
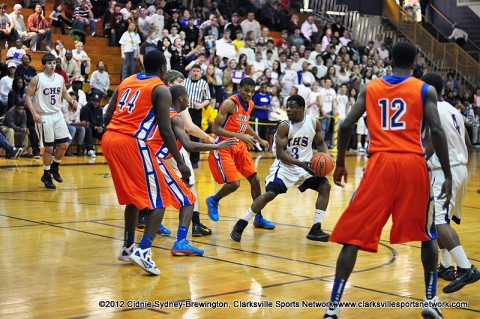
<point x="135" y="172"/>
<point x="393" y="184"/>
<point x="227" y="165"/>
<point x="361" y="127"/>
<point x="288" y="176"/>
<point x="180" y="194"/>
<point x="53" y="129"/>
<point x="459" y="186"/>
<point x="186" y="159"/>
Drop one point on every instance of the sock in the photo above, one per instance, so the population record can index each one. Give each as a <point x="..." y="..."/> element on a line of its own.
<point x="430" y="284"/>
<point x="46" y="168"/>
<point x="182" y="233"/>
<point x="128" y="239"/>
<point x="146" y="242"/>
<point x="55" y="164"/>
<point x="359" y="145"/>
<point x="319" y="216"/>
<point x="337" y="291"/>
<point x="460" y="257"/>
<point x="445" y="258"/>
<point x="196" y="218"/>
<point x="216" y="197"/>
<point x="249" y="215"/>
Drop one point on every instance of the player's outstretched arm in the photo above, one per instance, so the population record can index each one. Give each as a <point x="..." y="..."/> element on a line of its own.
<point x="263" y="143"/>
<point x="192" y="129"/>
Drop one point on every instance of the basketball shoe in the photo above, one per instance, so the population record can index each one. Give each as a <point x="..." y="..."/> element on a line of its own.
<point x="200" y="230"/>
<point x="163" y="231"/>
<point x="56" y="175"/>
<point x="183" y="248"/>
<point x="261" y="222"/>
<point x="431" y="310"/>
<point x="446" y="273"/>
<point x="237" y="230"/>
<point x="317" y="234"/>
<point x="332" y="313"/>
<point x="464" y="277"/>
<point x="47" y="180"/>
<point x="143" y="258"/>
<point x="212" y="209"/>
<point x="125" y="253"/>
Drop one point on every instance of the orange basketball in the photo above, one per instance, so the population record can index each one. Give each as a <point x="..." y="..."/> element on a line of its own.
<point x="322" y="164"/>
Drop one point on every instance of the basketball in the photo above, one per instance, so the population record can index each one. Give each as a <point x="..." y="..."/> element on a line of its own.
<point x="322" y="164"/>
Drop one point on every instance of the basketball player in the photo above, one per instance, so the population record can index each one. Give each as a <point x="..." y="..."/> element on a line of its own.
<point x="140" y="103"/>
<point x="293" y="146"/>
<point x="225" y="165"/>
<point x="43" y="98"/>
<point x="395" y="181"/>
<point x="458" y="148"/>
<point x="182" y="197"/>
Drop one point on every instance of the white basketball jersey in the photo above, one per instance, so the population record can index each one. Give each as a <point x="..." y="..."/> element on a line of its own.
<point x="300" y="138"/>
<point x="48" y="97"/>
<point x="454" y="127"/>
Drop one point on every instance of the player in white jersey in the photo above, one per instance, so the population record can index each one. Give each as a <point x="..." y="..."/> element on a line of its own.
<point x="44" y="99"/>
<point x="293" y="147"/>
<point x="458" y="148"/>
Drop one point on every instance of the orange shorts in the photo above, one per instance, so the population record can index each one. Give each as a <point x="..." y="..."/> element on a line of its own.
<point x="392" y="184"/>
<point x="180" y="194"/>
<point x="135" y="172"/>
<point x="226" y="164"/>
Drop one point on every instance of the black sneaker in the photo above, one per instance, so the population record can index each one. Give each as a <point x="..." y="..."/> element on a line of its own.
<point x="446" y="273"/>
<point x="56" y="174"/>
<point x="237" y="230"/>
<point x="47" y="180"/>
<point x="200" y="230"/>
<point x="317" y="234"/>
<point x="464" y="277"/>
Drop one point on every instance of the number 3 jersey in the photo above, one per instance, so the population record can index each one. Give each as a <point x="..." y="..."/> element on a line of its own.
<point x="48" y="96"/>
<point x="394" y="108"/>
<point x="134" y="113"/>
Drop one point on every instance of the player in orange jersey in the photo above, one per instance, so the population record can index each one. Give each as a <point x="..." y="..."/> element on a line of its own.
<point x="140" y="103"/>
<point x="232" y="121"/>
<point x="396" y="106"/>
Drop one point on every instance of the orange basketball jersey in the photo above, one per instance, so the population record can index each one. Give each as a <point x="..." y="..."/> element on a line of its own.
<point x="155" y="141"/>
<point x="238" y="121"/>
<point x="134" y="113"/>
<point x="395" y="114"/>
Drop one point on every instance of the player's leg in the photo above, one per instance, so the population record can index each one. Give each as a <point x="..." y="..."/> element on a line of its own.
<point x="259" y="221"/>
<point x="131" y="216"/>
<point x="182" y="247"/>
<point x="323" y="188"/>
<point x="62" y="139"/>
<point x="45" y="132"/>
<point x="198" y="229"/>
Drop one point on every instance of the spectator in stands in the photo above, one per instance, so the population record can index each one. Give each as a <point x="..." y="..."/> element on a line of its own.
<point x="70" y="66"/>
<point x="173" y="20"/>
<point x="126" y="11"/>
<point x="164" y="47"/>
<point x="117" y="26"/>
<point x="234" y="26"/>
<point x="100" y="81"/>
<point x="92" y="115"/>
<point x="20" y="30"/>
<point x="6" y="85"/>
<point x="16" y="53"/>
<point x="59" y="50"/>
<point x="191" y="32"/>
<point x="148" y="45"/>
<point x="130" y="45"/>
<point x="309" y="29"/>
<point x="17" y="92"/>
<point x="6" y="26"/>
<point x="314" y="101"/>
<point x="326" y="39"/>
<point x="289" y="78"/>
<point x="71" y="113"/>
<point x="82" y="59"/>
<point x="283" y="41"/>
<point x="144" y="24"/>
<point x="293" y="23"/>
<point x="39" y="24"/>
<point x="228" y="85"/>
<point x="107" y="28"/>
<point x="296" y="39"/>
<point x="58" y="20"/>
<point x="337" y="27"/>
<point x="250" y="24"/>
<point x="15" y="123"/>
<point x="328" y="108"/>
<point x="26" y="71"/>
<point x="60" y="71"/>
<point x="261" y="101"/>
<point x="83" y="18"/>
<point x="178" y="61"/>
<point x="76" y="87"/>
<point x="11" y="151"/>
<point x="345" y="39"/>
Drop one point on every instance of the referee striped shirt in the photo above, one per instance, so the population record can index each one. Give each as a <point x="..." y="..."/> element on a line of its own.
<point x="198" y="91"/>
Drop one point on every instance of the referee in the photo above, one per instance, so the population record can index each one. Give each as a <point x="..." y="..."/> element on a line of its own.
<point x="199" y="97"/>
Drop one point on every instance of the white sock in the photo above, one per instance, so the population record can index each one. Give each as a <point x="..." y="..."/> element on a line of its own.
<point x="445" y="258"/>
<point x="46" y="167"/>
<point x="359" y="145"/>
<point x="319" y="216"/>
<point x="460" y="257"/>
<point x="249" y="215"/>
<point x="56" y="160"/>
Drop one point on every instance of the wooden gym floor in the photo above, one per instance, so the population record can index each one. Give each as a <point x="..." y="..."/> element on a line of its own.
<point x="60" y="247"/>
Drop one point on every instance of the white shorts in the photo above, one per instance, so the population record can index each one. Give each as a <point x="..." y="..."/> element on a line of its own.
<point x="53" y="129"/>
<point x="173" y="164"/>
<point x="286" y="175"/>
<point x="361" y="127"/>
<point x="459" y="186"/>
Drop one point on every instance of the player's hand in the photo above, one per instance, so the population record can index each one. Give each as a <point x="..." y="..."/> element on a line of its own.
<point x="228" y="143"/>
<point x="249" y="140"/>
<point x="264" y="144"/>
<point x="211" y="140"/>
<point x="446" y="192"/>
<point x="340" y="171"/>
<point x="306" y="166"/>
<point x="37" y="118"/>
<point x="185" y="171"/>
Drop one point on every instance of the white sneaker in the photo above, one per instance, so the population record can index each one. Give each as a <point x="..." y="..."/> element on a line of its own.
<point x="91" y="153"/>
<point x="432" y="311"/>
<point x="332" y="313"/>
<point x="143" y="258"/>
<point x="125" y="253"/>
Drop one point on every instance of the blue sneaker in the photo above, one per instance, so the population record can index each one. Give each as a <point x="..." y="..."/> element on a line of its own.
<point x="163" y="231"/>
<point x="183" y="248"/>
<point x="212" y="209"/>
<point x="261" y="222"/>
